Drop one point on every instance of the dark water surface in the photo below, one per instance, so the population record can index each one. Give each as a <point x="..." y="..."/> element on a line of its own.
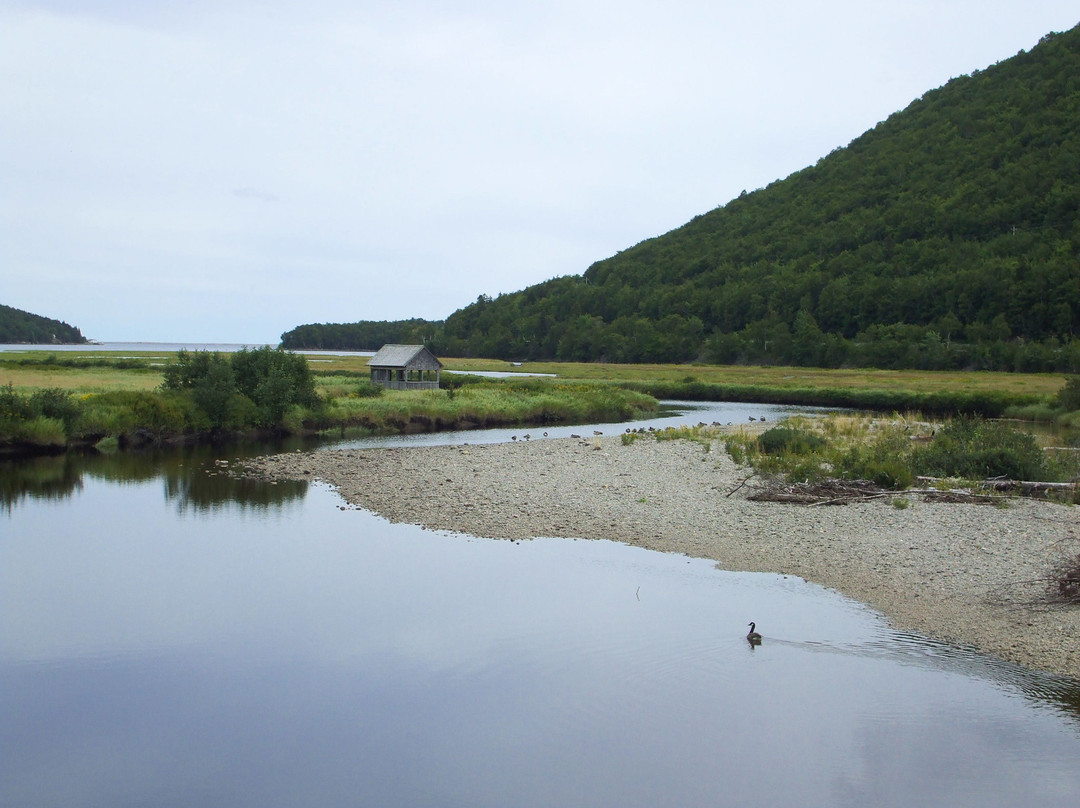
<point x="170" y="636"/>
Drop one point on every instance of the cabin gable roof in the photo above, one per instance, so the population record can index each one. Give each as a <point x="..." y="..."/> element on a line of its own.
<point x="413" y="357"/>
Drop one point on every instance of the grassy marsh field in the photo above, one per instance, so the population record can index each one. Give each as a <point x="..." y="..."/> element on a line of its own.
<point x="50" y="402"/>
<point x="57" y="399"/>
<point x="73" y="370"/>
<point x="920" y="381"/>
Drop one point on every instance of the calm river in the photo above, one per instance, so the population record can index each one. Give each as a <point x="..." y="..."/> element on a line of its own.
<point x="170" y="636"/>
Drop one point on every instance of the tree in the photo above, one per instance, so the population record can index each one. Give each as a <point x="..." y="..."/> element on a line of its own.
<point x="274" y="380"/>
<point x="257" y="385"/>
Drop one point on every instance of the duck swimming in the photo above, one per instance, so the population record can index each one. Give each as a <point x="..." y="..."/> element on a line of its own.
<point x="753" y="637"/>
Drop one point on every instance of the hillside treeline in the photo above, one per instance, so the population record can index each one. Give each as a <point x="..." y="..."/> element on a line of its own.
<point x="17" y="326"/>
<point x="948" y="236"/>
<point x="363" y="336"/>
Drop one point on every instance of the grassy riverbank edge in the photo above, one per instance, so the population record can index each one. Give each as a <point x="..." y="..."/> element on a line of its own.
<point x="52" y="421"/>
<point x="110" y="400"/>
<point x="987" y="403"/>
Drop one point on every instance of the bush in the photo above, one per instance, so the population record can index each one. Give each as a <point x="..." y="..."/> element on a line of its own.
<point x="191" y="368"/>
<point x="972" y="448"/>
<point x="805" y="468"/>
<point x="366" y="389"/>
<point x="789" y="440"/>
<point x="13" y="406"/>
<point x="42" y="431"/>
<point x="882" y="459"/>
<point x="44" y="418"/>
<point x="251" y="387"/>
<point x="55" y="403"/>
<point x="123" y="412"/>
<point x="1068" y="397"/>
<point x="275" y="380"/>
<point x="893" y="474"/>
<point x="969" y="448"/>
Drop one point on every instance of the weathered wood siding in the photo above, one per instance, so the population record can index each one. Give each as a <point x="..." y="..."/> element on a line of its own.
<point x="405" y="367"/>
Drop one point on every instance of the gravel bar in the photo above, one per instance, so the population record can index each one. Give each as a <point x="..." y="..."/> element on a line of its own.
<point x="970" y="574"/>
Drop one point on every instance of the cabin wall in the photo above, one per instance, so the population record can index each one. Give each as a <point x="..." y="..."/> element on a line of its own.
<point x="411" y="378"/>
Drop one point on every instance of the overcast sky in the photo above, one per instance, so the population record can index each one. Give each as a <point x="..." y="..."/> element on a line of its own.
<point x="225" y="170"/>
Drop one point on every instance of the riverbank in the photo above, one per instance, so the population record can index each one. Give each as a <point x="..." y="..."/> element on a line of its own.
<point x="965" y="573"/>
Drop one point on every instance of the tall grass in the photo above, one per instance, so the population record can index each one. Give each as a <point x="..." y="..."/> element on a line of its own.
<point x="54" y="417"/>
<point x="90" y="397"/>
<point x="988" y="403"/>
<point x="894" y="452"/>
<point x="488" y="404"/>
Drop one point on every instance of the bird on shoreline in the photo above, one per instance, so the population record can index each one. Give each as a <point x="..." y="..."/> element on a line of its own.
<point x="753" y="637"/>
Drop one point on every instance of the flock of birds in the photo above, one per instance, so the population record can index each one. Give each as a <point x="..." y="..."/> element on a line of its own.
<point x="629" y="431"/>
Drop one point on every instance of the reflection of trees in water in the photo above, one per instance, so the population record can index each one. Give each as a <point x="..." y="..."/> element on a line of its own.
<point x="193" y="477"/>
<point x="204" y="489"/>
<point x="38" y="478"/>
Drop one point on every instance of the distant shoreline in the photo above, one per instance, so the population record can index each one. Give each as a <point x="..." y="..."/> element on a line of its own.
<point x="963" y="573"/>
<point x="93" y="345"/>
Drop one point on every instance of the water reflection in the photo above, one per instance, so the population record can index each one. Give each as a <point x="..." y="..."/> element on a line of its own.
<point x="41" y="478"/>
<point x="207" y="486"/>
<point x="306" y="655"/>
<point x="193" y="478"/>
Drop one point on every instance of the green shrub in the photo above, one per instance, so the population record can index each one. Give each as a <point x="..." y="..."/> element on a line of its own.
<point x="274" y="379"/>
<point x="881" y="459"/>
<point x="55" y="403"/>
<point x="159" y="413"/>
<point x="43" y="431"/>
<point x="43" y="418"/>
<point x="968" y="447"/>
<point x="191" y="368"/>
<point x="972" y="448"/>
<point x="293" y="418"/>
<point x="893" y="474"/>
<point x="215" y="393"/>
<point x="692" y="433"/>
<point x="789" y="440"/>
<point x="365" y="389"/>
<point x="119" y="412"/>
<point x="804" y="468"/>
<point x="1068" y="398"/>
<point x="737" y="450"/>
<point x="250" y="387"/>
<point x="13" y="405"/>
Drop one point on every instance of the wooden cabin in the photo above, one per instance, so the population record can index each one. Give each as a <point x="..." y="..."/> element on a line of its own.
<point x="405" y="367"/>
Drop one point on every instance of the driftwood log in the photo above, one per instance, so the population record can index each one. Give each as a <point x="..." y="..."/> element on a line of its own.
<point x="1028" y="488"/>
<point x="824" y="492"/>
<point x="843" y="492"/>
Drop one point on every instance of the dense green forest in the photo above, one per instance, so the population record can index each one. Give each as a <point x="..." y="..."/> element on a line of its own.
<point x="18" y="326"/>
<point x="368" y="335"/>
<point x="947" y="236"/>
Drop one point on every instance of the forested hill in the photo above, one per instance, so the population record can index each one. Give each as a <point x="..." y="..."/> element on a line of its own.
<point x="18" y="326"/>
<point x="369" y="335"/>
<point x="947" y="236"/>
